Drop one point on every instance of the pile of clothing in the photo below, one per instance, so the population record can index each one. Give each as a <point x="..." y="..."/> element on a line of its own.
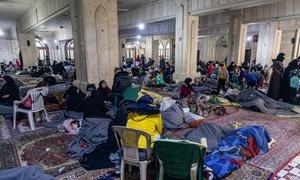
<point x="175" y="116"/>
<point x="236" y="148"/>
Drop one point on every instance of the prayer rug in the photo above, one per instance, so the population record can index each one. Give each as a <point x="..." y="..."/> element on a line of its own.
<point x="48" y="150"/>
<point x="8" y="156"/>
<point x="290" y="170"/>
<point x="285" y="131"/>
<point x="4" y="130"/>
<point x="247" y="172"/>
<point x="82" y="174"/>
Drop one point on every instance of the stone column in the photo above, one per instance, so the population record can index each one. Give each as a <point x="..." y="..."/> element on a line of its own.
<point x="186" y="42"/>
<point x="149" y="47"/>
<point x="296" y="45"/>
<point x="269" y="39"/>
<point x="28" y="49"/>
<point x="96" y="39"/>
<point x="237" y="38"/>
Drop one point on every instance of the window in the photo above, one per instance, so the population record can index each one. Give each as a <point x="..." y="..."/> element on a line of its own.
<point x="69" y="49"/>
<point x="130" y="51"/>
<point x="42" y="49"/>
<point x="168" y="52"/>
<point x="160" y="49"/>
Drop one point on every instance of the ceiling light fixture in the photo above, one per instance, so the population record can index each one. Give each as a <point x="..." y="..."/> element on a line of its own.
<point x="141" y="26"/>
<point x="2" y="33"/>
<point x="55" y="41"/>
<point x="139" y="37"/>
<point x="249" y="38"/>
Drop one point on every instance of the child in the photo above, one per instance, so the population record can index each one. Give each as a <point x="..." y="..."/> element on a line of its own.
<point x="187" y="88"/>
<point x="294" y="86"/>
<point x="71" y="126"/>
<point x="222" y="78"/>
<point x="160" y="79"/>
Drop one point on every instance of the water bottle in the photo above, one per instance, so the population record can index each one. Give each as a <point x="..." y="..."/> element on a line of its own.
<point x="117" y="164"/>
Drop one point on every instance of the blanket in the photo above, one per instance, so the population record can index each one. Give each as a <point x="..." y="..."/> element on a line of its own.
<point x="211" y="131"/>
<point x="173" y="117"/>
<point x="256" y="100"/>
<point x="241" y="144"/>
<point x="92" y="133"/>
<point x="28" y="172"/>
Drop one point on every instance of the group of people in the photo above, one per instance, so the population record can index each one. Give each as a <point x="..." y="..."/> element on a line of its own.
<point x="10" y="67"/>
<point x="155" y="74"/>
<point x="93" y="103"/>
<point x="284" y="82"/>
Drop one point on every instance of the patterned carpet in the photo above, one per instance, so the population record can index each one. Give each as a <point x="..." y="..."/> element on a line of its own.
<point x="8" y="156"/>
<point x="249" y="172"/>
<point x="82" y="174"/>
<point x="291" y="170"/>
<point x="285" y="131"/>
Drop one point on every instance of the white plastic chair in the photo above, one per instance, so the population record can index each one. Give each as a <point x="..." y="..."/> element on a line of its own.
<point x="37" y="96"/>
<point x="129" y="140"/>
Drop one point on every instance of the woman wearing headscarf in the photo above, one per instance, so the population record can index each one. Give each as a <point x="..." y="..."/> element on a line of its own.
<point x="75" y="99"/>
<point x="285" y="81"/>
<point x="105" y="91"/>
<point x="275" y="80"/>
<point x="9" y="92"/>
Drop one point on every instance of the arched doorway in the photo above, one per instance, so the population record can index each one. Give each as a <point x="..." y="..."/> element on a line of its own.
<point x="168" y="51"/>
<point x="42" y="50"/>
<point x="130" y="51"/>
<point x="160" y="49"/>
<point x="69" y="50"/>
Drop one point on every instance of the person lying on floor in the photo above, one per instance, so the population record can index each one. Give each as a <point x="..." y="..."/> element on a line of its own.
<point x="94" y="103"/>
<point x="145" y="116"/>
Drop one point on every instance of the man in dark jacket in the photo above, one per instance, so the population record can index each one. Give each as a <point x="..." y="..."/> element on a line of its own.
<point x="122" y="81"/>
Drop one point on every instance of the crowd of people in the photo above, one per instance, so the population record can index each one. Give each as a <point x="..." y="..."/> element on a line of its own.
<point x="96" y="101"/>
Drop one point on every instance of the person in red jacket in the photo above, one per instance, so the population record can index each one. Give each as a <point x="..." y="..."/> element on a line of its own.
<point x="210" y="69"/>
<point x="187" y="88"/>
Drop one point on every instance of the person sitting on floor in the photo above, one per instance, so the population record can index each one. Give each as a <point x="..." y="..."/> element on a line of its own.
<point x="104" y="90"/>
<point x="145" y="116"/>
<point x="9" y="92"/>
<point x="187" y="88"/>
<point x="94" y="103"/>
<point x="160" y="79"/>
<point x="75" y="99"/>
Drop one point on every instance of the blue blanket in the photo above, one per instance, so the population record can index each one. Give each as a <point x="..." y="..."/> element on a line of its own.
<point x="229" y="156"/>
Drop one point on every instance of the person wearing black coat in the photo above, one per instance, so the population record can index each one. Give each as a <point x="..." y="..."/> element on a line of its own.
<point x="75" y="99"/>
<point x="9" y="92"/>
<point x="285" y="81"/>
<point x="94" y="104"/>
<point x="122" y="81"/>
